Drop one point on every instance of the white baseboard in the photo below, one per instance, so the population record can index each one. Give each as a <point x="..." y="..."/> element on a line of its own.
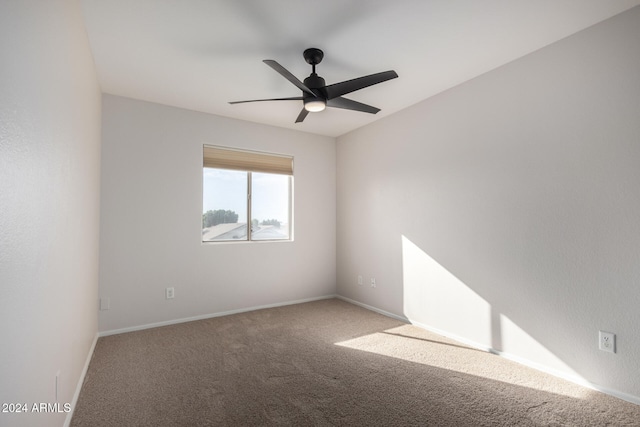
<point x="209" y="316"/>
<point x="372" y="308"/>
<point x="460" y="339"/>
<point x="76" y="394"/>
<point x="571" y="378"/>
<point x="568" y="377"/>
<point x="517" y="359"/>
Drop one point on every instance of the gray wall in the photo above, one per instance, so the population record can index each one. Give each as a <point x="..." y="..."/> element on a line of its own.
<point x="49" y="204"/>
<point x="152" y="219"/>
<point x="505" y="212"/>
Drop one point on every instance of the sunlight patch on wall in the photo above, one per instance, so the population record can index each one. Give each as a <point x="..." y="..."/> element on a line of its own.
<point x="435" y="299"/>
<point x="434" y="296"/>
<point x="516" y="341"/>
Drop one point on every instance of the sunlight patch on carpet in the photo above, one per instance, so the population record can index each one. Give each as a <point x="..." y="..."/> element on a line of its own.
<point x="414" y="344"/>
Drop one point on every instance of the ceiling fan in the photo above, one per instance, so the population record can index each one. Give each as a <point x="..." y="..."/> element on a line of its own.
<point x="316" y="95"/>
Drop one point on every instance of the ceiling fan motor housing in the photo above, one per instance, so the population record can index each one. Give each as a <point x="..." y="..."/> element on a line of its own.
<point x="316" y="84"/>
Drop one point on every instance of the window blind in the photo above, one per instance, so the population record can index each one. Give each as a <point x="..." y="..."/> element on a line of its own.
<point x="252" y="161"/>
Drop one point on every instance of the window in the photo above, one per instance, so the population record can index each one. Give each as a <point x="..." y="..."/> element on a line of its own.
<point x="238" y="185"/>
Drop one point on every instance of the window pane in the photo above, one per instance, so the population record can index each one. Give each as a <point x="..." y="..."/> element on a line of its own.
<point x="224" y="205"/>
<point x="270" y="206"/>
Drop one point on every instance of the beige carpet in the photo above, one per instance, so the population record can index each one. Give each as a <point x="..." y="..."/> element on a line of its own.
<point x="320" y="364"/>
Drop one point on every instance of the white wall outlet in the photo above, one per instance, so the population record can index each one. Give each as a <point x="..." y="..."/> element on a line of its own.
<point x="359" y="280"/>
<point x="169" y="292"/>
<point x="607" y="341"/>
<point x="373" y="282"/>
<point x="105" y="303"/>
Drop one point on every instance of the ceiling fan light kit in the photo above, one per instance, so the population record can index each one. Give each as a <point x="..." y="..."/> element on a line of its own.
<point x="316" y="95"/>
<point x="314" y="105"/>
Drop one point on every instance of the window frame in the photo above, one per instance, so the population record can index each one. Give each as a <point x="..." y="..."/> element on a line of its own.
<point x="249" y="191"/>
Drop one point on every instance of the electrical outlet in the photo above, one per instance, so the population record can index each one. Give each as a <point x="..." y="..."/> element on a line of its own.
<point x="359" y="280"/>
<point x="169" y="293"/>
<point x="373" y="282"/>
<point x="607" y="341"/>
<point x="105" y="303"/>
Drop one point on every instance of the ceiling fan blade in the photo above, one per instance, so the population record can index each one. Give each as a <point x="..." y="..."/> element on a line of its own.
<point x="294" y="98"/>
<point x="287" y="75"/>
<point x="302" y="115"/>
<point x="338" y="89"/>
<point x="349" y="104"/>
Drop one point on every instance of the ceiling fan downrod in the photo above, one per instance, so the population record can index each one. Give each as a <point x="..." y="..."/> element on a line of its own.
<point x="313" y="56"/>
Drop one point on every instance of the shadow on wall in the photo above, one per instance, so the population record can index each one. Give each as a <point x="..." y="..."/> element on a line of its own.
<point x="436" y="299"/>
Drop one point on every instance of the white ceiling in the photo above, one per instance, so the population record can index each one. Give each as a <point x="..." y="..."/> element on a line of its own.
<point x="201" y="54"/>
